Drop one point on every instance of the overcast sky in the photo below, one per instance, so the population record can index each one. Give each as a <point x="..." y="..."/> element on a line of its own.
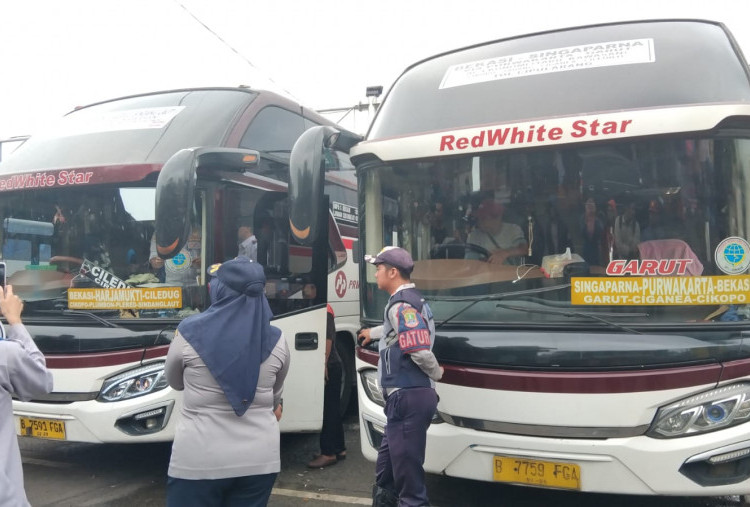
<point x="59" y="54"/>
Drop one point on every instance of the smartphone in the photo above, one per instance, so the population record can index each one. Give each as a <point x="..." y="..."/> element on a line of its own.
<point x="2" y="275"/>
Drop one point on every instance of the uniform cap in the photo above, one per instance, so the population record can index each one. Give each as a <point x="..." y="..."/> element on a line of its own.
<point x="393" y="256"/>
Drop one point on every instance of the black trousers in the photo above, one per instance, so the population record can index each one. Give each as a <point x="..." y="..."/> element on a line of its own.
<point x="400" y="464"/>
<point x="332" y="434"/>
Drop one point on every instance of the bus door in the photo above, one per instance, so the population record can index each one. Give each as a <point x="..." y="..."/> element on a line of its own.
<point x="254" y="223"/>
<point x="244" y="216"/>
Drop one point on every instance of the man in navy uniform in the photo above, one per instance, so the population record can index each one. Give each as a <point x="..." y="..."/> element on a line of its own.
<point x="407" y="372"/>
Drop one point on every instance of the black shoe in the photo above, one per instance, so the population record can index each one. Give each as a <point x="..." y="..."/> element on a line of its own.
<point x="382" y="497"/>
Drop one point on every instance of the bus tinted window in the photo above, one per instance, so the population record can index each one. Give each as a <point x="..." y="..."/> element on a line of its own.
<point x="143" y="129"/>
<point x="565" y="73"/>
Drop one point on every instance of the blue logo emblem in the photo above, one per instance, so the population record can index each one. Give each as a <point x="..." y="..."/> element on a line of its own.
<point x="732" y="255"/>
<point x="179" y="259"/>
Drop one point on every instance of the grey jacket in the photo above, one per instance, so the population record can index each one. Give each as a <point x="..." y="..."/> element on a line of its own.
<point x="23" y="373"/>
<point x="211" y="441"/>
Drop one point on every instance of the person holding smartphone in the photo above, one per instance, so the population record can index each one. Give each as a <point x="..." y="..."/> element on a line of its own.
<point x="23" y="373"/>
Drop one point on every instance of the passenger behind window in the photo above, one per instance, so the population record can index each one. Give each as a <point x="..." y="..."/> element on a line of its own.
<point x="504" y="241"/>
<point x="555" y="235"/>
<point x="627" y="233"/>
<point x="439" y="225"/>
<point x="247" y="243"/>
<point x="96" y="223"/>
<point x="663" y="222"/>
<point x="593" y="234"/>
<point x="265" y="241"/>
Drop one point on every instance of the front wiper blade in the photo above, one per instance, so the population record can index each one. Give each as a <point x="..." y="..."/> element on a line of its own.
<point x="566" y="313"/>
<point x="491" y="297"/>
<point x="91" y="316"/>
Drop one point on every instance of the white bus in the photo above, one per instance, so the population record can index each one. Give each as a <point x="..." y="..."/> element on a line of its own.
<point x="79" y="233"/>
<point x="576" y="205"/>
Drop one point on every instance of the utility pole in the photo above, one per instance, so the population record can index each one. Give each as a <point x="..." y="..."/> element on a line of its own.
<point x="372" y="93"/>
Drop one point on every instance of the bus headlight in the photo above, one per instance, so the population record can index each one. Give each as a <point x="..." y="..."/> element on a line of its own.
<point x="369" y="378"/>
<point x="133" y="383"/>
<point x="709" y="411"/>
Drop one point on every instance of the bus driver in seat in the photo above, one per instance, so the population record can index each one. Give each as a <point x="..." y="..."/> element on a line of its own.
<point x="505" y="241"/>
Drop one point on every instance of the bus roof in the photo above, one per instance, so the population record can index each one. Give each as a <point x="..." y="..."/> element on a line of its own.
<point x="147" y="129"/>
<point x="573" y="71"/>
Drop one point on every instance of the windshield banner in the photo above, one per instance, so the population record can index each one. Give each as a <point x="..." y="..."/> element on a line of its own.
<point x="140" y="298"/>
<point x="663" y="290"/>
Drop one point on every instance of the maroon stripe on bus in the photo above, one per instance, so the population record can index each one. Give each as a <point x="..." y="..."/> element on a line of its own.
<point x="156" y="352"/>
<point x="735" y="369"/>
<point x="94" y="360"/>
<point x="582" y="382"/>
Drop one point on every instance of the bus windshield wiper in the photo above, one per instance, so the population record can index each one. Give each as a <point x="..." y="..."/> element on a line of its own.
<point x="91" y="316"/>
<point x="491" y="297"/>
<point x="567" y="313"/>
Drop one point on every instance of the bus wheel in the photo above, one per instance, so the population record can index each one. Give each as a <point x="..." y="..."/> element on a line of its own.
<point x="345" y="348"/>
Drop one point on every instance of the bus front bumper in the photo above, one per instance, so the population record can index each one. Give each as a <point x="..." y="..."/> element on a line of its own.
<point x="148" y="418"/>
<point x="711" y="464"/>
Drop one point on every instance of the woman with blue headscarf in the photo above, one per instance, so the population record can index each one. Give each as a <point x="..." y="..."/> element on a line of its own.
<point x="231" y="363"/>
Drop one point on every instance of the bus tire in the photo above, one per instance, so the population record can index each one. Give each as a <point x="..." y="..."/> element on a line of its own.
<point x="345" y="348"/>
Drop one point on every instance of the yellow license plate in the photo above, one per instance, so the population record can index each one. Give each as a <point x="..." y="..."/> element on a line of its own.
<point x="41" y="428"/>
<point x="549" y="474"/>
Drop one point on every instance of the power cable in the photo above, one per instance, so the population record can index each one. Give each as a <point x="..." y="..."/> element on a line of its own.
<point x="232" y="48"/>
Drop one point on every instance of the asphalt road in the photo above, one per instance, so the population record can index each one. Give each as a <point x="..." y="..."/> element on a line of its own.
<point x="74" y="474"/>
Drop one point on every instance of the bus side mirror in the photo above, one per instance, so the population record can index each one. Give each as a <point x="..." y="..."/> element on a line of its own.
<point x="306" y="171"/>
<point x="175" y="190"/>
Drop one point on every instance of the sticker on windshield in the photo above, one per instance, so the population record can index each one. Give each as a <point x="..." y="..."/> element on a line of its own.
<point x="179" y="262"/>
<point x="110" y="121"/>
<point x="101" y="276"/>
<point x="586" y="56"/>
<point x="732" y="255"/>
<point x="667" y="290"/>
<point x="344" y="212"/>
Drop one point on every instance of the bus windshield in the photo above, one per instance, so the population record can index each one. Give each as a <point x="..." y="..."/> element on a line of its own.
<point x="77" y="248"/>
<point x="101" y="237"/>
<point x="508" y="232"/>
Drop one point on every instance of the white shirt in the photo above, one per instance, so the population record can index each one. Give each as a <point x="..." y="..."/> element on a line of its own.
<point x="23" y="372"/>
<point x="509" y="236"/>
<point x="249" y="248"/>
